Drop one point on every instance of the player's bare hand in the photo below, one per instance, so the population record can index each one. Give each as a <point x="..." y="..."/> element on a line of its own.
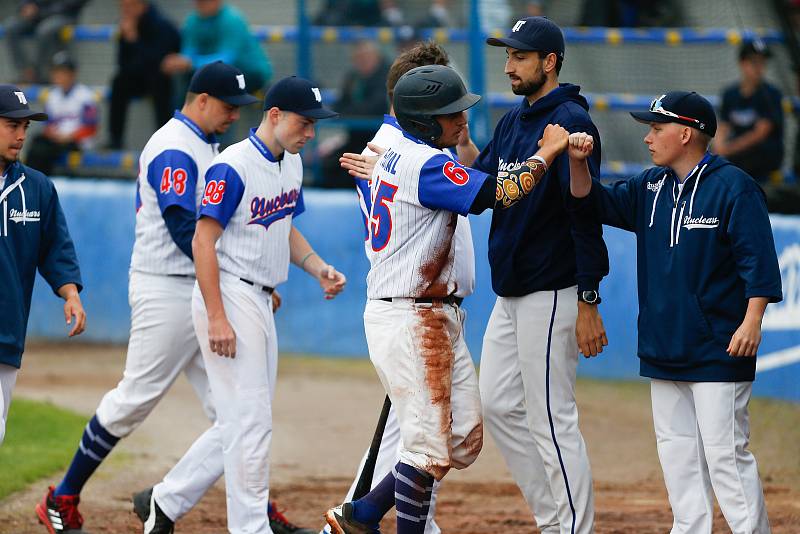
<point x="361" y="165"/>
<point x="581" y="145"/>
<point x="276" y="300"/>
<point x="221" y="337"/>
<point x="589" y="330"/>
<point x="358" y="165"/>
<point x="331" y="281"/>
<point x="746" y="339"/>
<point x="75" y="315"/>
<point x="464" y="138"/>
<point x="554" y="140"/>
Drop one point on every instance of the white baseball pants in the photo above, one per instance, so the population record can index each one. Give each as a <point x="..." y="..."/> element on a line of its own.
<point x="239" y="441"/>
<point x="424" y="365"/>
<point x="527" y="383"/>
<point x="162" y="344"/>
<point x="702" y="433"/>
<point x="8" y="377"/>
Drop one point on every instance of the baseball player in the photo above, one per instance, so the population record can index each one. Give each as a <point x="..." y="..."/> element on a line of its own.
<point x="412" y="322"/>
<point x="547" y="257"/>
<point x="707" y="268"/>
<point x="421" y="54"/>
<point x="162" y="342"/>
<point x="242" y="247"/>
<point x="34" y="235"/>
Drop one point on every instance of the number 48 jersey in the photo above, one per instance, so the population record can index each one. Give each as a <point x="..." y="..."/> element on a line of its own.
<point x="172" y="162"/>
<point x="417" y="192"/>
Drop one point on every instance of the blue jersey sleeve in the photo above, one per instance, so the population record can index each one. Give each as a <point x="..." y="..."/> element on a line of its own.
<point x="223" y="193"/>
<point x="300" y="206"/>
<point x="173" y="176"/>
<point x="447" y="185"/>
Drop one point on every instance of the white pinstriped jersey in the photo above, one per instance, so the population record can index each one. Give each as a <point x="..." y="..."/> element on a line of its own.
<point x="172" y="162"/>
<point x="255" y="198"/>
<point x="417" y="192"/>
<point x="464" y="255"/>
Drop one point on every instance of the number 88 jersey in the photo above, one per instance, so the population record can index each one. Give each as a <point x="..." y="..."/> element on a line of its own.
<point x="172" y="162"/>
<point x="417" y="192"/>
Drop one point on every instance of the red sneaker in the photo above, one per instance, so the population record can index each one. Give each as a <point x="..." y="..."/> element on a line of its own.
<point x="60" y="514"/>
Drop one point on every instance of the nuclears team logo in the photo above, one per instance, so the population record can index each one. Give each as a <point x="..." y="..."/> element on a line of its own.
<point x="265" y="211"/>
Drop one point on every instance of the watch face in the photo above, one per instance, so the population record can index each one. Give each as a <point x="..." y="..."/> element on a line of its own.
<point x="590" y="296"/>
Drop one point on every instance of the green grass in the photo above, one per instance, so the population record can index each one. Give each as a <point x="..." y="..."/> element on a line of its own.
<point x="40" y="439"/>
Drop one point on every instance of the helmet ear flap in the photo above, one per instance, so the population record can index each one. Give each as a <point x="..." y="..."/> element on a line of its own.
<point x="424" y="127"/>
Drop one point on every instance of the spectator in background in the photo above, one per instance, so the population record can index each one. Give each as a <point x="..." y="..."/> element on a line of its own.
<point x="379" y="13"/>
<point x="145" y="38"/>
<point x="217" y="31"/>
<point x="43" y="20"/>
<point x="363" y="95"/>
<point x="751" y="129"/>
<point x="71" y="116"/>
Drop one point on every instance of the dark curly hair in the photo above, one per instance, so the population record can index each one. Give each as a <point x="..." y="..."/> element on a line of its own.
<point x="424" y="53"/>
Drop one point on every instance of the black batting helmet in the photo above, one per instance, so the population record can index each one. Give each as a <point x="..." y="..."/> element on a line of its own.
<point x="424" y="92"/>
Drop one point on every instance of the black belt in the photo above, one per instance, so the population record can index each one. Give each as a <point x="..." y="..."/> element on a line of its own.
<point x="450" y="299"/>
<point x="265" y="289"/>
<point x="182" y="276"/>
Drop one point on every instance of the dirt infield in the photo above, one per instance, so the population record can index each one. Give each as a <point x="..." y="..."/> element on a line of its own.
<point x="324" y="414"/>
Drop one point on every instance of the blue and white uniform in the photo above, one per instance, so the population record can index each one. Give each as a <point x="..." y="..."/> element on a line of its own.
<point x="464" y="273"/>
<point x="705" y="247"/>
<point x="162" y="343"/>
<point x="417" y="193"/>
<point x="33" y="235"/>
<point x="255" y="198"/>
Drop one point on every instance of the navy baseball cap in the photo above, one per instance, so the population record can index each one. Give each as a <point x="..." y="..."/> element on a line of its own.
<point x="298" y="95"/>
<point x="14" y="105"/>
<point x="62" y="60"/>
<point x="754" y="47"/>
<point x="222" y="81"/>
<point x="683" y="107"/>
<point x="533" y="33"/>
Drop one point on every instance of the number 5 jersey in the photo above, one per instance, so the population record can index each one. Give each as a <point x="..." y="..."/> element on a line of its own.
<point x="417" y="191"/>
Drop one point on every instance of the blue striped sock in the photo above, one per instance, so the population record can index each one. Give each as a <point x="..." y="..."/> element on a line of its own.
<point x="412" y="493"/>
<point x="93" y="448"/>
<point x="371" y="508"/>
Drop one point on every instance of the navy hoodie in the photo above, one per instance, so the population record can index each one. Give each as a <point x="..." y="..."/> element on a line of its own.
<point x="701" y="254"/>
<point x="33" y="234"/>
<point x="548" y="240"/>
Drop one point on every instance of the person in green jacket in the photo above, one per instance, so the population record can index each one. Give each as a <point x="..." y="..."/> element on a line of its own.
<point x="217" y="31"/>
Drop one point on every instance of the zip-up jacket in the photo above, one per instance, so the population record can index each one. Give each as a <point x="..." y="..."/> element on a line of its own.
<point x="703" y="251"/>
<point x="546" y="241"/>
<point x="33" y="235"/>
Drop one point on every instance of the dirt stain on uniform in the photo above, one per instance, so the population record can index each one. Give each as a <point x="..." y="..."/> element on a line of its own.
<point x="474" y="440"/>
<point x="437" y="353"/>
<point x="433" y="278"/>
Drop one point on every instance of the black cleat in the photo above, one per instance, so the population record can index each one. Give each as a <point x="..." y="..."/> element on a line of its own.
<point x="154" y="520"/>
<point x="341" y="521"/>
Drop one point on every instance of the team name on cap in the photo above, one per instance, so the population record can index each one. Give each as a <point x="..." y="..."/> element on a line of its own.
<point x="518" y="26"/>
<point x="240" y="79"/>
<point x="21" y="97"/>
<point x="317" y="94"/>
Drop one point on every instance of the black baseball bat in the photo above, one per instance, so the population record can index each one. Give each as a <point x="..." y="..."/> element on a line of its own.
<point x="365" y="479"/>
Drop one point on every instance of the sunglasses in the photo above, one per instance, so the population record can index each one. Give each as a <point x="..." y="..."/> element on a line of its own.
<point x="657" y="107"/>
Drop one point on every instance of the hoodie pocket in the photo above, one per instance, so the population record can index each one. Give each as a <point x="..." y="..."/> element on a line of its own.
<point x="675" y="336"/>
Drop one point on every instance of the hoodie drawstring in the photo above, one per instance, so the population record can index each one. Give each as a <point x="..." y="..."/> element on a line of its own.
<point x="655" y="200"/>
<point x="691" y="204"/>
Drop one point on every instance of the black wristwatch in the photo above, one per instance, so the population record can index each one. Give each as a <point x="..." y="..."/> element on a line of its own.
<point x="590" y="296"/>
